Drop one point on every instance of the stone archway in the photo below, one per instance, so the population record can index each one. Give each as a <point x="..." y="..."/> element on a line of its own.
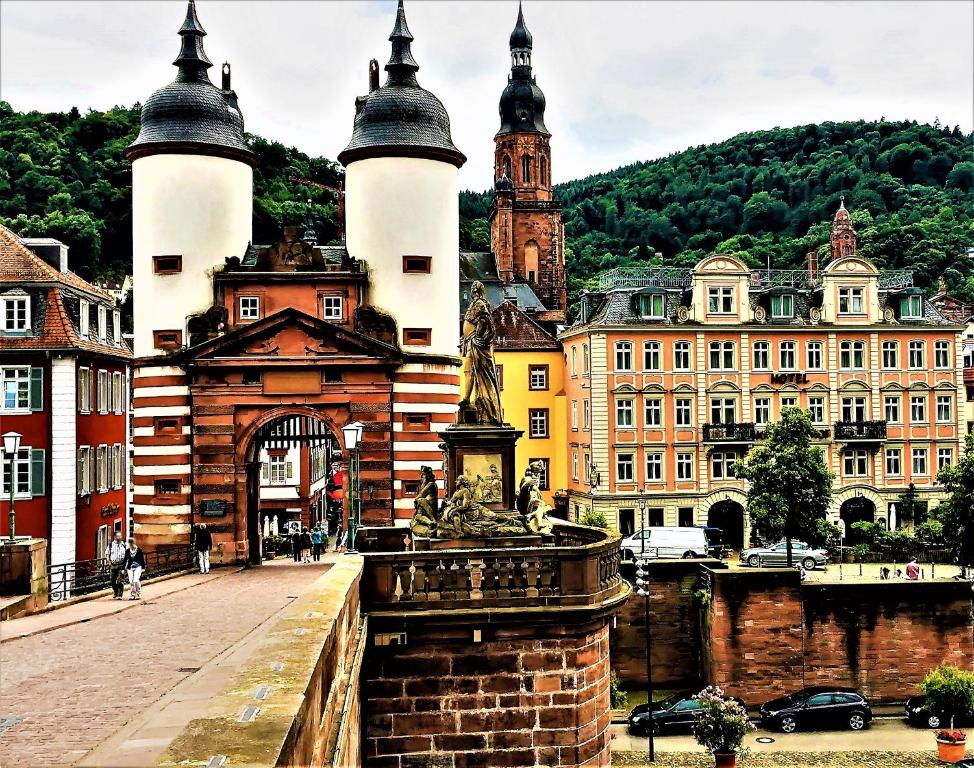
<point x="729" y="516"/>
<point x="854" y="510"/>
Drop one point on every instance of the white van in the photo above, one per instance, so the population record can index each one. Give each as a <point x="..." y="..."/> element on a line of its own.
<point x="666" y="543"/>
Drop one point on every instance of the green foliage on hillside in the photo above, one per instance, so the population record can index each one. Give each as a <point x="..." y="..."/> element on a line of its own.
<point x="771" y="195"/>
<point x="64" y="175"/>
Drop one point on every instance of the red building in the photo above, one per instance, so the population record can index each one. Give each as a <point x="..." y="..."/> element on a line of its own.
<point x="64" y="368"/>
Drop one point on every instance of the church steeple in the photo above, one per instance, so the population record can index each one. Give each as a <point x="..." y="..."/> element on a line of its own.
<point x="192" y="60"/>
<point x="843" y="236"/>
<point x="402" y="66"/>
<point x="521" y="41"/>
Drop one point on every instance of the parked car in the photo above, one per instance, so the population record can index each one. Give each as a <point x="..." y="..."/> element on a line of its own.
<point x="919" y="716"/>
<point x="817" y="708"/>
<point x="674" y="713"/>
<point x="777" y="554"/>
<point x="664" y="542"/>
<point x="715" y="541"/>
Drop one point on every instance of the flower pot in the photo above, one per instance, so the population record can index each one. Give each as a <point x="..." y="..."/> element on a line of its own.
<point x="725" y="759"/>
<point x="950" y="752"/>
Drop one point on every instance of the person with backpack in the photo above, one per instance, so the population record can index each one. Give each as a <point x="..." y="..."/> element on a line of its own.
<point x="134" y="565"/>
<point x="204" y="543"/>
<point x="316" y="543"/>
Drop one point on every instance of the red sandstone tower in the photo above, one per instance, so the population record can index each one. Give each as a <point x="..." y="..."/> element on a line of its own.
<point x="526" y="229"/>
<point x="843" y="236"/>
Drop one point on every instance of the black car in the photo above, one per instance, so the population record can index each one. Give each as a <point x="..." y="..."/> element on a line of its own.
<point x="715" y="541"/>
<point x="674" y="713"/>
<point x="817" y="708"/>
<point x="920" y="717"/>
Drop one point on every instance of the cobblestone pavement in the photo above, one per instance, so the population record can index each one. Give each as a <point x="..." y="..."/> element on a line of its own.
<point x="67" y="690"/>
<point x="786" y="760"/>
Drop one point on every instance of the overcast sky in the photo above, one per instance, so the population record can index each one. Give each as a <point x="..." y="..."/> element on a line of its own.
<point x="624" y="81"/>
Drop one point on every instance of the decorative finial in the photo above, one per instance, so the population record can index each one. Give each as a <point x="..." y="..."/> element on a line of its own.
<point x="521" y="38"/>
<point x="192" y="60"/>
<point x="842" y="201"/>
<point x="402" y="66"/>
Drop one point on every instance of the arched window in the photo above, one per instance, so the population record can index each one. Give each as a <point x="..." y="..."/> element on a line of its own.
<point x="544" y="170"/>
<point x="526" y="169"/>
<point x="507" y="166"/>
<point x="531" y="257"/>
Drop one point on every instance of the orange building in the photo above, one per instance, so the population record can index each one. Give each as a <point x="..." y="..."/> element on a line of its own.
<point x="673" y="375"/>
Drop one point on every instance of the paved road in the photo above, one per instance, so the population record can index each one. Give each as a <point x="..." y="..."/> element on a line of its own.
<point x="70" y="689"/>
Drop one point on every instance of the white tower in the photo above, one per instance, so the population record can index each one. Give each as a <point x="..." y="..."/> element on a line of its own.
<point x="402" y="205"/>
<point x="192" y="195"/>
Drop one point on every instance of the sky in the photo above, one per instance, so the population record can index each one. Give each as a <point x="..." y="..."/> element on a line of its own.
<point x="624" y="81"/>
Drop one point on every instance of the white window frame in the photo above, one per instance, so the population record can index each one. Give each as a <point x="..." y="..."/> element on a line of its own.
<point x="762" y="411"/>
<point x="720" y="300"/>
<point x="21" y="474"/>
<point x="945" y="458"/>
<point x="248" y="308"/>
<point x="684" y="405"/>
<point x="118" y="392"/>
<point x="852" y="405"/>
<point x="684" y="466"/>
<point x="277" y="470"/>
<point x="722" y="465"/>
<point x="623" y="356"/>
<point x="653" y="412"/>
<point x="654" y="467"/>
<point x="102" y="391"/>
<point x="891" y="407"/>
<point x="627" y="461"/>
<point x="918" y="462"/>
<point x="84" y="389"/>
<point x="788" y="355"/>
<point x="814" y="348"/>
<point x="762" y="355"/>
<point x="539" y="417"/>
<point x="332" y="308"/>
<point x="782" y="313"/>
<point x="537" y="377"/>
<point x="893" y="462"/>
<point x="84" y="323"/>
<point x="855" y="463"/>
<point x="116" y="326"/>
<point x="891" y="355"/>
<point x="852" y="355"/>
<point x="918" y="409"/>
<point x="586" y="415"/>
<point x="21" y="377"/>
<point x="914" y="307"/>
<point x="945" y="409"/>
<point x="101" y="468"/>
<point x="655" y="312"/>
<point x="85" y="470"/>
<point x="726" y="355"/>
<point x="816" y="409"/>
<point x="102" y="323"/>
<point x="721" y="406"/>
<point x="625" y="413"/>
<point x="851" y="301"/>
<point x="789" y="401"/>
<point x="917" y="353"/>
<point x="941" y="354"/>
<point x="652" y="356"/>
<point x="682" y="356"/>
<point x="21" y="322"/>
<point x="118" y="480"/>
<point x="575" y="414"/>
<point x="574" y="361"/>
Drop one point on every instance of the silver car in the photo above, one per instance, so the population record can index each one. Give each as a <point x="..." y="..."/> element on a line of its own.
<point x="777" y="554"/>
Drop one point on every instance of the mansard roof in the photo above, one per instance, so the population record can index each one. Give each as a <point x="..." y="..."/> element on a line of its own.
<point x="516" y="331"/>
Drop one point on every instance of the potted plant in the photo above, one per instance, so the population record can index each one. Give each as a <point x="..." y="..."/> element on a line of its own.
<point x="949" y="692"/>
<point x="721" y="726"/>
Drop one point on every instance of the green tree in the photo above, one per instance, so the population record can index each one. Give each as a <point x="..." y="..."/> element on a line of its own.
<point x="956" y="512"/>
<point x="790" y="486"/>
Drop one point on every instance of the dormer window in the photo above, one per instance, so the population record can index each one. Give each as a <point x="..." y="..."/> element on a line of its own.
<point x="911" y="307"/>
<point x="102" y="323"/>
<point x="117" y="326"/>
<point x="783" y="306"/>
<point x="652" y="306"/>
<point x="249" y="307"/>
<point x="720" y="300"/>
<point x="850" y="301"/>
<point x="85" y="322"/>
<point x="16" y="313"/>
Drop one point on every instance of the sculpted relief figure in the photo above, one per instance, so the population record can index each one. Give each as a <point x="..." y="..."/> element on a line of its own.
<point x="531" y="503"/>
<point x="481" y="389"/>
<point x="464" y="516"/>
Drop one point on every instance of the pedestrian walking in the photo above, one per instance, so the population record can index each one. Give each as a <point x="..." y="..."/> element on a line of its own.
<point x="913" y="570"/>
<point x="338" y="534"/>
<point x="316" y="543"/>
<point x="204" y="543"/>
<point x="134" y="564"/>
<point x="115" y="555"/>
<point x="305" y="546"/>
<point x="296" y="544"/>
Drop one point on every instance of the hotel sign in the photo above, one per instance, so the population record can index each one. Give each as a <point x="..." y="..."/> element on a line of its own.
<point x="794" y="377"/>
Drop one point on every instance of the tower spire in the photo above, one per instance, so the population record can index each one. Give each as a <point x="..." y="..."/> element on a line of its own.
<point x="192" y="60"/>
<point x="521" y="41"/>
<point x="402" y="66"/>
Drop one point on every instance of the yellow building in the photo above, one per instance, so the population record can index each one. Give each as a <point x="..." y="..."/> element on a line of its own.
<point x="531" y="367"/>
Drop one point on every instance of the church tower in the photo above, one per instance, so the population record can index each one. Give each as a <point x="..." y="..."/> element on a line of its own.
<point x="526" y="229"/>
<point x="192" y="194"/>
<point x="843" y="236"/>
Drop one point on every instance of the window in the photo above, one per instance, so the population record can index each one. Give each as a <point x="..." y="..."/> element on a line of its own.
<point x="891" y="408"/>
<point x="17" y="388"/>
<point x="538" y="377"/>
<point x="651" y="356"/>
<point x="574" y="362"/>
<point x="101" y="468"/>
<point x="249" y="307"/>
<point x="853" y="409"/>
<point x="543" y="163"/>
<point x="918" y="408"/>
<point x="102" y="392"/>
<point x="723" y="410"/>
<point x="417" y="265"/>
<point x="586" y="414"/>
<point x="587" y="467"/>
<point x="722" y="355"/>
<point x="814" y="354"/>
<point x="167" y="265"/>
<point x="332" y="308"/>
<point x="110" y="461"/>
<point x="538" y="422"/>
<point x="167" y="425"/>
<point x="118" y="392"/>
<point x="944" y="408"/>
<point x="21" y="477"/>
<point x="624" y="467"/>
<point x="116" y="326"/>
<point x="654" y="467"/>
<point x="543" y="479"/>
<point x="850" y="301"/>
<point x="788" y="355"/>
<point x="684" y="466"/>
<point x="575" y="414"/>
<point x="762" y="410"/>
<point x="762" y="355"/>
<point x="167" y="487"/>
<point x="852" y="355"/>
<point x="585" y="359"/>
<point x="681" y="356"/>
<point x="783" y="306"/>
<point x="416" y="337"/>
<point x="891" y="355"/>
<point x="683" y="411"/>
<point x="654" y="412"/>
<point x="84" y="390"/>
<point x="722" y="465"/>
<point x="416" y="422"/>
<point x="16" y="313"/>
<point x="855" y="463"/>
<point x="652" y="306"/>
<point x="624" y="414"/>
<point x="627" y="521"/>
<point x="893" y="467"/>
<point x="941" y="354"/>
<point x="167" y="339"/>
<point x="102" y="323"/>
<point x="919" y="461"/>
<point x="526" y="169"/>
<point x="623" y="355"/>
<point x="280" y="470"/>
<point x="85" y="479"/>
<point x="575" y="465"/>
<point x="684" y="517"/>
<point x="788" y="402"/>
<point x="916" y="355"/>
<point x="720" y="300"/>
<point x="911" y="307"/>
<point x="84" y="324"/>
<point x="945" y="457"/>
<point x="816" y="409"/>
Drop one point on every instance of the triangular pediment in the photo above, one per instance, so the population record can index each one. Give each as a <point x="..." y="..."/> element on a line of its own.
<point x="292" y="334"/>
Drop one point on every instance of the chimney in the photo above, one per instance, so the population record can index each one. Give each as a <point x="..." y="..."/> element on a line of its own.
<point x="813" y="265"/>
<point x="373" y="75"/>
<point x="226" y="75"/>
<point x="54" y="252"/>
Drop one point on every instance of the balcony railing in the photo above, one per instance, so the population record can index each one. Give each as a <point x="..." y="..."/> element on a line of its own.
<point x="744" y="432"/>
<point x="860" y="430"/>
<point x="579" y="569"/>
<point x="84" y="576"/>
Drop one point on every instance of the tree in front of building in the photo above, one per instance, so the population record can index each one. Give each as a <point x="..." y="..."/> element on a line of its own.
<point x="956" y="512"/>
<point x="790" y="485"/>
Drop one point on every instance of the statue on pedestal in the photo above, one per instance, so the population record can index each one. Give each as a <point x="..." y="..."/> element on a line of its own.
<point x="481" y="393"/>
<point x="464" y="517"/>
<point x="426" y="505"/>
<point x="530" y="502"/>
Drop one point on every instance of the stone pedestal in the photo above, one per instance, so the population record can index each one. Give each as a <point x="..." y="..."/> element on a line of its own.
<point x="23" y="572"/>
<point x="475" y="450"/>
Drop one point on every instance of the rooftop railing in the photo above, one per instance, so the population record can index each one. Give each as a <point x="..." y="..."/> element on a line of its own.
<point x="677" y="277"/>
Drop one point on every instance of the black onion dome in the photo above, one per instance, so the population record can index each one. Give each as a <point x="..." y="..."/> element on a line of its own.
<point x="191" y="115"/>
<point x="522" y="102"/>
<point x="401" y="119"/>
<point x="521" y="36"/>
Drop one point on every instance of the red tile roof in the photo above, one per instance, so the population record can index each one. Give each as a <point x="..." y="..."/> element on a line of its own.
<point x="516" y="330"/>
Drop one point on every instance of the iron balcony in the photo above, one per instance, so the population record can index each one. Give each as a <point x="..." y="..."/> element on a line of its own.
<point x="860" y="430"/>
<point x="743" y="432"/>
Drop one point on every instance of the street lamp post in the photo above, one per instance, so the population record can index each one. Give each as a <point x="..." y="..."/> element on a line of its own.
<point x="643" y="581"/>
<point x="353" y="434"/>
<point x="11" y="446"/>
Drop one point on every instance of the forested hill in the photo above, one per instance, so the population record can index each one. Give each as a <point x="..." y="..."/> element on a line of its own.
<point x="760" y="194"/>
